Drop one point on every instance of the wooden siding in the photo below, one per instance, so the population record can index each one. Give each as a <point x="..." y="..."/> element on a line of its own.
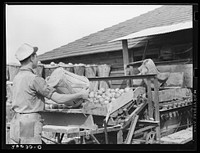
<point x="179" y="41"/>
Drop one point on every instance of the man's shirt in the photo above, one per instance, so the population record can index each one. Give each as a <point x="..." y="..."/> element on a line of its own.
<point x="29" y="91"/>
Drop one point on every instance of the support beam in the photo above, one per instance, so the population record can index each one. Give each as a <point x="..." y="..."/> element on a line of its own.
<point x="150" y="105"/>
<point x="156" y="105"/>
<point x="95" y="139"/>
<point x="131" y="130"/>
<point x="145" y="50"/>
<point x="131" y="56"/>
<point x="119" y="137"/>
<point x="125" y="55"/>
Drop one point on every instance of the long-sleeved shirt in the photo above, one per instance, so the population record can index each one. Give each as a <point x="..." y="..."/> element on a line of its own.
<point x="29" y="91"/>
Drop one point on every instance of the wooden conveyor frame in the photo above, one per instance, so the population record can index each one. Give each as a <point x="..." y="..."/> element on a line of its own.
<point x="130" y="123"/>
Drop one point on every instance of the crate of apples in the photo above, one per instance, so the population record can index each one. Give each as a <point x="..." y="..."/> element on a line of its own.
<point x="103" y="96"/>
<point x="98" y="100"/>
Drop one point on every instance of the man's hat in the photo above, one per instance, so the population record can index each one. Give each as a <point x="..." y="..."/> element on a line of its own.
<point x="25" y="51"/>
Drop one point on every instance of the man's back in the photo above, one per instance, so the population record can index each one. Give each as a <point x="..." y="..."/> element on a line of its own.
<point x="25" y="97"/>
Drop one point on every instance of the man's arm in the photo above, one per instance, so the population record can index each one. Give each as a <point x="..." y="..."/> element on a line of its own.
<point x="45" y="90"/>
<point x="68" y="98"/>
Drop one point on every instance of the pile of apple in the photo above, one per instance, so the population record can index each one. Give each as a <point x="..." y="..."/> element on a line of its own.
<point x="105" y="96"/>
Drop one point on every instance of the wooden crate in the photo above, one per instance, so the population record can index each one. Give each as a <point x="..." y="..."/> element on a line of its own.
<point x="95" y="109"/>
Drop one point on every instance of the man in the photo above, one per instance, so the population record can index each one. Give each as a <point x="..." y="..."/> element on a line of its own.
<point x="29" y="91"/>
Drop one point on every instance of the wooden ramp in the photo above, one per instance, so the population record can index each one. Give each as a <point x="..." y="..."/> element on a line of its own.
<point x="180" y="137"/>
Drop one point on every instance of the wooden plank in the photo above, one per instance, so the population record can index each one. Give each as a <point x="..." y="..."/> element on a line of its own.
<point x="145" y="50"/>
<point x="186" y="68"/>
<point x="131" y="58"/>
<point x="179" y="137"/>
<point x="117" y="73"/>
<point x="71" y="119"/>
<point x="136" y="111"/>
<point x="100" y="130"/>
<point x="118" y="82"/>
<point x="172" y="94"/>
<point x="60" y="129"/>
<point x="150" y="105"/>
<point x="148" y="121"/>
<point x="95" y="139"/>
<point x="121" y="86"/>
<point x="95" y="109"/>
<point x="156" y="105"/>
<point x="119" y="137"/>
<point x="143" y="129"/>
<point x="131" y="130"/>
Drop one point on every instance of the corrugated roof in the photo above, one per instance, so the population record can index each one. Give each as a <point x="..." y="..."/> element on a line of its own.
<point x="99" y="41"/>
<point x="157" y="30"/>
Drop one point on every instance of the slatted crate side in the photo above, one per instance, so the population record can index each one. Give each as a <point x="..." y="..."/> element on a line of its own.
<point x="186" y="68"/>
<point x="79" y="70"/>
<point x="90" y="72"/>
<point x="117" y="66"/>
<point x="117" y="73"/>
<point x="118" y="83"/>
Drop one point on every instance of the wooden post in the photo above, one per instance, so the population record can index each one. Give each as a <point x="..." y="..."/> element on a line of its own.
<point x="125" y="59"/>
<point x="144" y="54"/>
<point x="58" y="137"/>
<point x="149" y="93"/>
<point x="125" y="55"/>
<point x="131" y="67"/>
<point x="119" y="137"/>
<point x="131" y="56"/>
<point x="156" y="104"/>
<point x="105" y="131"/>
<point x="131" y="129"/>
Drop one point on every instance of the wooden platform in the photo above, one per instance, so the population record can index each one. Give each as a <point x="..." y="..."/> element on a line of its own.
<point x="60" y="129"/>
<point x="180" y="137"/>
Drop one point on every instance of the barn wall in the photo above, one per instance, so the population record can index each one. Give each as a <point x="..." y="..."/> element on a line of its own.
<point x="177" y="41"/>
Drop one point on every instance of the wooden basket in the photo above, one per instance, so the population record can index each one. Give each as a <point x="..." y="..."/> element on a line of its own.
<point x="48" y="69"/>
<point x="79" y="69"/>
<point x="104" y="71"/>
<point x="67" y="67"/>
<point x="91" y="72"/>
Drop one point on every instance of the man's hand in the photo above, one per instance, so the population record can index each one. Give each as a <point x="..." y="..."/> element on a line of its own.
<point x="85" y="92"/>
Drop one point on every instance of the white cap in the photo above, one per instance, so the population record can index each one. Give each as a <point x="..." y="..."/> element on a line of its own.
<point x="25" y="51"/>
